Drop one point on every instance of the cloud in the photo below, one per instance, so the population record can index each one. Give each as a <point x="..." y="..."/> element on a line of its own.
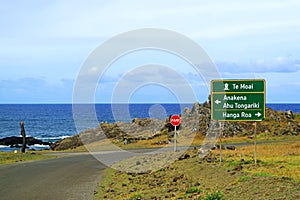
<point x="152" y="74"/>
<point x="277" y="65"/>
<point x="152" y="83"/>
<point x="58" y="35"/>
<point x="35" y="90"/>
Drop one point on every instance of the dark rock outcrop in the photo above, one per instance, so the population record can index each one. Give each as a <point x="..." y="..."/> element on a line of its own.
<point x="15" y="141"/>
<point x="195" y="120"/>
<point x="138" y="129"/>
<point x="277" y="123"/>
<point x="67" y="143"/>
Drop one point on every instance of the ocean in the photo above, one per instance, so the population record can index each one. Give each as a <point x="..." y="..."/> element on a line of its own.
<point x="52" y="122"/>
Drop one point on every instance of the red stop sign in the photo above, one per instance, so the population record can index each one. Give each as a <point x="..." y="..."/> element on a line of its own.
<point x="175" y="120"/>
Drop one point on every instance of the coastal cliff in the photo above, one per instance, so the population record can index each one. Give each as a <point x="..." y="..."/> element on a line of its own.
<point x="195" y="120"/>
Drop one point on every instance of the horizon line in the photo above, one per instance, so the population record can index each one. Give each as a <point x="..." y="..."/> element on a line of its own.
<point x="70" y="103"/>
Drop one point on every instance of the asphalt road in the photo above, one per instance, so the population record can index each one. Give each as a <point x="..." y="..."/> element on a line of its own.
<point x="70" y="177"/>
<point x="74" y="176"/>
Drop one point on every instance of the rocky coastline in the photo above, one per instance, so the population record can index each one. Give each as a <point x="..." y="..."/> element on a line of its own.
<point x="196" y="120"/>
<point x="15" y="142"/>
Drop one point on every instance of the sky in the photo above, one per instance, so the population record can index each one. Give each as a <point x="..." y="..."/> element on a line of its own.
<point x="44" y="45"/>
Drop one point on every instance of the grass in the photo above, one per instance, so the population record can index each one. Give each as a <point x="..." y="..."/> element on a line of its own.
<point x="278" y="159"/>
<point x="192" y="190"/>
<point x="136" y="197"/>
<point x="244" y="178"/>
<point x="10" y="157"/>
<point x="275" y="176"/>
<point x="183" y="140"/>
<point x="213" y="196"/>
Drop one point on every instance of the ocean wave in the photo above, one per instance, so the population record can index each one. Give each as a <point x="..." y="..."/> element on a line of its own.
<point x="39" y="147"/>
<point x="4" y="148"/>
<point x="52" y="139"/>
<point x="36" y="147"/>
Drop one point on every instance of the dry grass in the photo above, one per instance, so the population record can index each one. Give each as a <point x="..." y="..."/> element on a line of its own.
<point x="184" y="139"/>
<point x="107" y="144"/>
<point x="276" y="176"/>
<point x="10" y="157"/>
<point x="278" y="159"/>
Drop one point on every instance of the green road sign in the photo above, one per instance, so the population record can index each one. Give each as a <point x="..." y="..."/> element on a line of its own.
<point x="238" y="100"/>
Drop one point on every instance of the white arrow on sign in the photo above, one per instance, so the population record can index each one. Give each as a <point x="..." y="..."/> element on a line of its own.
<point x="218" y="101"/>
<point x="258" y="114"/>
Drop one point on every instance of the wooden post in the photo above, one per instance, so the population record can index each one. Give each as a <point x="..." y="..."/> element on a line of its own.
<point x="220" y="136"/>
<point x="23" y="136"/>
<point x="255" y="146"/>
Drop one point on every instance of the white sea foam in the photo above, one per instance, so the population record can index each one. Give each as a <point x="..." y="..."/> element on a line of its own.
<point x="53" y="138"/>
<point x="39" y="147"/>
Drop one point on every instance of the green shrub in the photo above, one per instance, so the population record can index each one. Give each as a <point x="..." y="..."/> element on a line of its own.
<point x="193" y="190"/>
<point x="213" y="196"/>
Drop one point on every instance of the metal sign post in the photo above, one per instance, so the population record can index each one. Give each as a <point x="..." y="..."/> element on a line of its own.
<point x="175" y="140"/>
<point x="255" y="146"/>
<point x="220" y="136"/>
<point x="175" y="121"/>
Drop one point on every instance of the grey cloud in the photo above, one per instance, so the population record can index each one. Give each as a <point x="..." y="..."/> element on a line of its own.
<point x="278" y="65"/>
<point x="35" y="90"/>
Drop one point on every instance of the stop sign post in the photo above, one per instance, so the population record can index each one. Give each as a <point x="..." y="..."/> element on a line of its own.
<point x="175" y="121"/>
